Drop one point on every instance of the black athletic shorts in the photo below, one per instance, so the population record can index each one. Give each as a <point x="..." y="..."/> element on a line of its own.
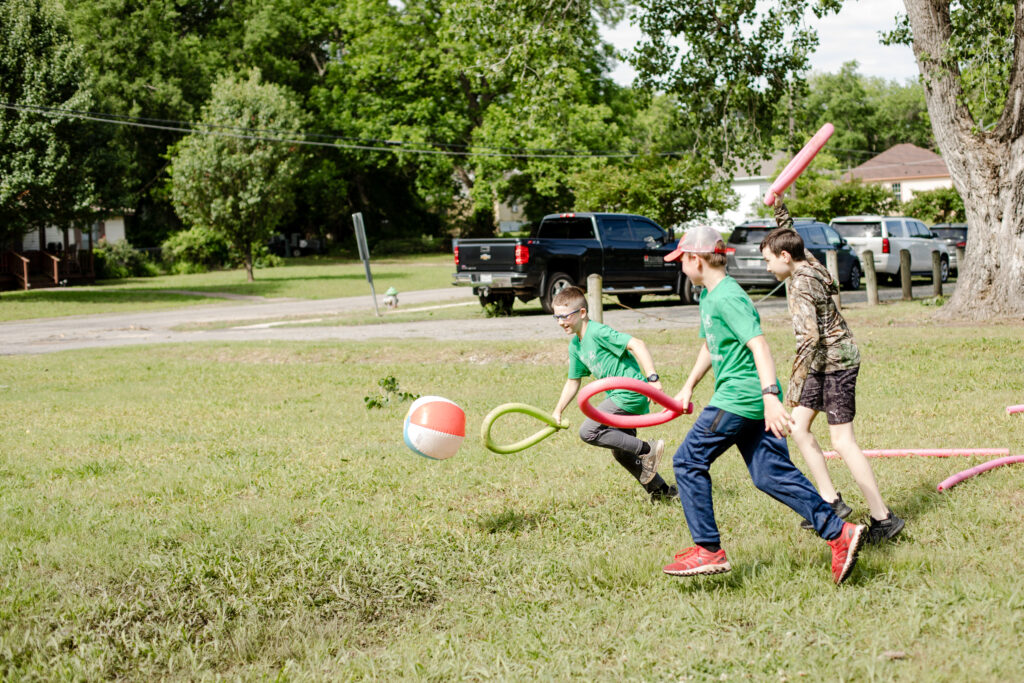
<point x="832" y="393"/>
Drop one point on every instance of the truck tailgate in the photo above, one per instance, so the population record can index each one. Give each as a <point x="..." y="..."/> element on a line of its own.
<point x="499" y="256"/>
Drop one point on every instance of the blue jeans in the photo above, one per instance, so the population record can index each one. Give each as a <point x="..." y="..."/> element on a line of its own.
<point x="767" y="459"/>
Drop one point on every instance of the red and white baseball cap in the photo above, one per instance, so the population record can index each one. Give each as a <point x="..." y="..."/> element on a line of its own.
<point x="701" y="239"/>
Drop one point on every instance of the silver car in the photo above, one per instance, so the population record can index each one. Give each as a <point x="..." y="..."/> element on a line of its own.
<point x="885" y="236"/>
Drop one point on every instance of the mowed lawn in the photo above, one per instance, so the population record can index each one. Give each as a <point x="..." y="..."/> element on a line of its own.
<point x="236" y="511"/>
<point x="301" y="278"/>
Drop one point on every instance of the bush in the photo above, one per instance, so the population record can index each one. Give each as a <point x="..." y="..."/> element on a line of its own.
<point x="424" y="244"/>
<point x="121" y="260"/>
<point x="196" y="251"/>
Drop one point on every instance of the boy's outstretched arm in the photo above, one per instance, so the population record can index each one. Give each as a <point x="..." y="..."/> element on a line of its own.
<point x="776" y="418"/>
<point x="569" y="391"/>
<point x="700" y="368"/>
<point x="644" y="359"/>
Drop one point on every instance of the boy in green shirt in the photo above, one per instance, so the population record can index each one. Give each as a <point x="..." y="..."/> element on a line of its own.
<point x="598" y="350"/>
<point x="745" y="411"/>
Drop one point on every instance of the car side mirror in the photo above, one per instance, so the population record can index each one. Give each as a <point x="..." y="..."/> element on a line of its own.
<point x="843" y="242"/>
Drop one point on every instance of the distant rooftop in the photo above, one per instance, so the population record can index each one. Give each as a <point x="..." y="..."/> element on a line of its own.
<point x="901" y="162"/>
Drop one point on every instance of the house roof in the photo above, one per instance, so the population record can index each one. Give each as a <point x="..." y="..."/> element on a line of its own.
<point x="901" y="162"/>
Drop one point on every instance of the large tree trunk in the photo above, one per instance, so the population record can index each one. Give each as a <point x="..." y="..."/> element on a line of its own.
<point x="987" y="168"/>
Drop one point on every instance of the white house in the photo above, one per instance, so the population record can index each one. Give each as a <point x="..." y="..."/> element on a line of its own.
<point x="905" y="170"/>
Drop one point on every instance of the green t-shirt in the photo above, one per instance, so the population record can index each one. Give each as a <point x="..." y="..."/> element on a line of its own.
<point x="602" y="353"/>
<point x="728" y="320"/>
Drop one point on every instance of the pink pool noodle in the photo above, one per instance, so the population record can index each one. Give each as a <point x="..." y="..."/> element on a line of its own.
<point x="673" y="408"/>
<point x="797" y="165"/>
<point x="984" y="467"/>
<point x="1010" y="410"/>
<point x="928" y="452"/>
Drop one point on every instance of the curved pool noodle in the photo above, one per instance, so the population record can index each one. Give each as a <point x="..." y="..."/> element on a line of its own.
<point x="526" y="409"/>
<point x="984" y="467"/>
<point x="1010" y="410"/>
<point x="673" y="408"/>
<point x="798" y="163"/>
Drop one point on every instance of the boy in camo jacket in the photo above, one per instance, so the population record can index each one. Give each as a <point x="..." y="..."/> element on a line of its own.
<point x="824" y="376"/>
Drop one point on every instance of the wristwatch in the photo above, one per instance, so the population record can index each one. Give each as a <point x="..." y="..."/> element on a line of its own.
<point x="653" y="377"/>
<point x="773" y="389"/>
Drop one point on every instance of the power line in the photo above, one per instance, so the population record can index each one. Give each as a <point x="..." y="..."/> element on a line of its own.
<point x="278" y="136"/>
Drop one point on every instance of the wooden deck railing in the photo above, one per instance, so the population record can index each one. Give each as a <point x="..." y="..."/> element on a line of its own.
<point x="17" y="265"/>
<point x="55" y="263"/>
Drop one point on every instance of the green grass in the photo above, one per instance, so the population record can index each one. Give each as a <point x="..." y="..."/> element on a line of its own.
<point x="302" y="278"/>
<point x="234" y="511"/>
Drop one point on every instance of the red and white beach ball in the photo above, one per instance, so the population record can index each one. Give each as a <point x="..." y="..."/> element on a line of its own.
<point x="434" y="427"/>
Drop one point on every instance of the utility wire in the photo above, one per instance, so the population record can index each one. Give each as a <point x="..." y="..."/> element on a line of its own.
<point x="229" y="132"/>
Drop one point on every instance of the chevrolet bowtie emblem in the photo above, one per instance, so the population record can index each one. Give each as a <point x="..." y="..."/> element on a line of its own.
<point x="485" y="257"/>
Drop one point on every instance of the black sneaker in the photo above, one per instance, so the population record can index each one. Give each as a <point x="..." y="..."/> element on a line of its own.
<point x="885" y="530"/>
<point x="665" y="494"/>
<point x="839" y="507"/>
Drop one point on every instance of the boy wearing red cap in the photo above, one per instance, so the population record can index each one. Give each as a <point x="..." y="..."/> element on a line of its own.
<point x="745" y="411"/>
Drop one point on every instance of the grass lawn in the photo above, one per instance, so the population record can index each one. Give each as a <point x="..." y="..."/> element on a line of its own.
<point x="302" y="278"/>
<point x="235" y="511"/>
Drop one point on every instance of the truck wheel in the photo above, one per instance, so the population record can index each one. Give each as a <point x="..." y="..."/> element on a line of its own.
<point x="853" y="281"/>
<point x="556" y="282"/>
<point x="687" y="295"/>
<point x="630" y="300"/>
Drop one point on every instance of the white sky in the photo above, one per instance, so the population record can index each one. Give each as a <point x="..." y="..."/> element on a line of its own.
<point x="850" y="35"/>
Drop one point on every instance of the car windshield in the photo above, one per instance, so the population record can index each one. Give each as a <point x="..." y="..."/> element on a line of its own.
<point x="858" y="229"/>
<point x="951" y="233"/>
<point x="749" y="235"/>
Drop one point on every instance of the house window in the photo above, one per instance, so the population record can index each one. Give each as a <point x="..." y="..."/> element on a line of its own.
<point x="897" y="192"/>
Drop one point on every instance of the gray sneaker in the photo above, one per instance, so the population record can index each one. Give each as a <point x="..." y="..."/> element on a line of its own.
<point x="839" y="507"/>
<point x="650" y="461"/>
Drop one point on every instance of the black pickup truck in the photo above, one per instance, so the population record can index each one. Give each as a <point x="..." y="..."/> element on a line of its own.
<point x="627" y="251"/>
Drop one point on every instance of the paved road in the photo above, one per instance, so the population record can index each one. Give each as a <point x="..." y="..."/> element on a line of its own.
<point x="157" y="327"/>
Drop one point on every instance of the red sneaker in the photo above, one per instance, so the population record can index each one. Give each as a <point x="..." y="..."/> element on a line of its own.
<point x="697" y="560"/>
<point x="845" y="548"/>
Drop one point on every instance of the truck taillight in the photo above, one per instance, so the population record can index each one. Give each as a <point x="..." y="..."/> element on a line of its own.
<point x="730" y="250"/>
<point x="961" y="244"/>
<point x="522" y="254"/>
<point x="456" y="256"/>
<point x="885" y="245"/>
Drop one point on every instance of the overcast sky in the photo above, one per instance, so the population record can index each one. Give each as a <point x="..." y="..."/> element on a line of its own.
<point x="850" y="35"/>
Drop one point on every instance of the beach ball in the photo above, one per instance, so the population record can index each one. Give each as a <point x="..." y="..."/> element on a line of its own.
<point x="434" y="427"/>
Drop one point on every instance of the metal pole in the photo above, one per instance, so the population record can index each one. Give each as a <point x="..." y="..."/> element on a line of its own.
<point x="364" y="254"/>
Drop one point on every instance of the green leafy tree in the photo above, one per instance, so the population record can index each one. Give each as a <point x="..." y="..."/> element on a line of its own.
<point x="45" y="157"/>
<point x="942" y="205"/>
<point x="240" y="187"/>
<point x="849" y="198"/>
<point x="741" y="60"/>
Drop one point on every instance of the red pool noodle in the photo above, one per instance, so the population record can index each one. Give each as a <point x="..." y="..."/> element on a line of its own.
<point x="1010" y="410"/>
<point x="984" y="467"/>
<point x="928" y="452"/>
<point x="673" y="408"/>
<point x="797" y="165"/>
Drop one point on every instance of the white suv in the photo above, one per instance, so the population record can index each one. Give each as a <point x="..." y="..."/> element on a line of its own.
<point x="886" y="236"/>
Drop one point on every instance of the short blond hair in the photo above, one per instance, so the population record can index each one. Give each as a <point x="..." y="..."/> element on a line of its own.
<point x="570" y="296"/>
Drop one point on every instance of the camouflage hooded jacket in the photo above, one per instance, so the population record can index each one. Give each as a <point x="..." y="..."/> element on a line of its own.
<point x="824" y="343"/>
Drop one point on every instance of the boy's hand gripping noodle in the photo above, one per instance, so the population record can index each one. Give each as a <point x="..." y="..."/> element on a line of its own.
<point x="506" y="408"/>
<point x="673" y="408"/>
<point x="795" y="167"/>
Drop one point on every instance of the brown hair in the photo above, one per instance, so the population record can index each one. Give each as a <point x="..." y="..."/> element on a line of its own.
<point x="717" y="258"/>
<point x="570" y="296"/>
<point x="784" y="239"/>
